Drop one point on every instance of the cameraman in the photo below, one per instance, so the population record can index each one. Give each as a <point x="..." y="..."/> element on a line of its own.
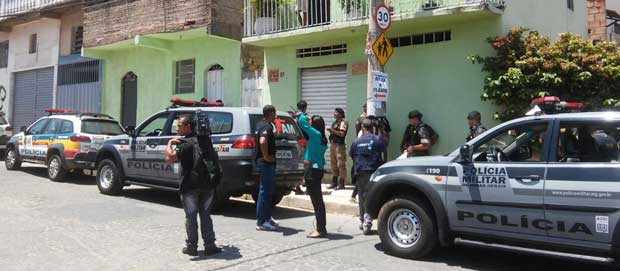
<point x="197" y="185"/>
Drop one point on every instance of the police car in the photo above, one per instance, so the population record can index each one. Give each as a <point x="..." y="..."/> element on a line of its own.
<point x="546" y="184"/>
<point x="64" y="141"/>
<point x="5" y="132"/>
<point x="138" y="158"/>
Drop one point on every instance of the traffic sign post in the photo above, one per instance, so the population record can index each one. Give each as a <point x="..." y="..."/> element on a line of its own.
<point x="383" y="19"/>
<point x="382" y="47"/>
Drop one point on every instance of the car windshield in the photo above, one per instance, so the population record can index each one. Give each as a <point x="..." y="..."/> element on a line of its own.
<point x="101" y="127"/>
<point x="2" y="120"/>
<point x="286" y="128"/>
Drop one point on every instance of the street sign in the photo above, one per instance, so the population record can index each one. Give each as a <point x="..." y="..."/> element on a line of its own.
<point x="383" y="17"/>
<point x="383" y="49"/>
<point x="380" y="86"/>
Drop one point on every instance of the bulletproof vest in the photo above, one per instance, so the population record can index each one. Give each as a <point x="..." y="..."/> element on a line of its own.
<point x="333" y="138"/>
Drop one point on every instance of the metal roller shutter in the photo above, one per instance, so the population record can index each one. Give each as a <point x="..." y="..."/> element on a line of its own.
<point x="33" y="94"/>
<point x="325" y="89"/>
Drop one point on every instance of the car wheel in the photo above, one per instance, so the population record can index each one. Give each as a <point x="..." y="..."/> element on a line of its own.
<point x="11" y="160"/>
<point x="407" y="228"/>
<point x="55" y="169"/>
<point x="109" y="179"/>
<point x="276" y="198"/>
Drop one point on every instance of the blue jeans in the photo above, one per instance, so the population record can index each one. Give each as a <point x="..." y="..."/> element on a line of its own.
<point x="198" y="202"/>
<point x="263" y="206"/>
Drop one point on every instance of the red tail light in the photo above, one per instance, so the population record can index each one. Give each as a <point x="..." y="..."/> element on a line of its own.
<point x="302" y="142"/>
<point x="78" y="138"/>
<point x="244" y="142"/>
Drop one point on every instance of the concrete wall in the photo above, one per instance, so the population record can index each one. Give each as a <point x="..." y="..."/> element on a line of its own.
<point x="5" y="83"/>
<point x="68" y="22"/>
<point x="156" y="72"/>
<point x="549" y="17"/>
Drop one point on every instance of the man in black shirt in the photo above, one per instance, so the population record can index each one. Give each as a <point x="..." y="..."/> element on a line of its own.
<point x="417" y="140"/>
<point x="196" y="191"/>
<point x="475" y="128"/>
<point x="266" y="161"/>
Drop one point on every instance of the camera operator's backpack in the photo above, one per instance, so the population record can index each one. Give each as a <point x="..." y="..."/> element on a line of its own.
<point x="203" y="127"/>
<point x="206" y="168"/>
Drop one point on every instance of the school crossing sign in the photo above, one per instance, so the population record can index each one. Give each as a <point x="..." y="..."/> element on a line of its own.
<point x="382" y="47"/>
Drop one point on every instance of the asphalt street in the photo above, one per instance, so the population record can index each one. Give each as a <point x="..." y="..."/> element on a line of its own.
<point x="71" y="226"/>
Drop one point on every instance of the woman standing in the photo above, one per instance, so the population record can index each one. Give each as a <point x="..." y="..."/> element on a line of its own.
<point x="314" y="161"/>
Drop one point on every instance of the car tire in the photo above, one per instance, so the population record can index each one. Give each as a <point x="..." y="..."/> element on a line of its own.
<point x="55" y="168"/>
<point x="276" y="198"/>
<point x="109" y="178"/>
<point x="407" y="228"/>
<point x="12" y="160"/>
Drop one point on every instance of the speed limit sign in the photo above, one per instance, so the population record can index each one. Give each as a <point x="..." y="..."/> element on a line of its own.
<point x="382" y="17"/>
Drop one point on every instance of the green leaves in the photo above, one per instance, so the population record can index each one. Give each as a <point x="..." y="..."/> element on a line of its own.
<point x="527" y="65"/>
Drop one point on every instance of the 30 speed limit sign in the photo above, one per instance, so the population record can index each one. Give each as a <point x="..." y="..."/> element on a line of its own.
<point x="382" y="17"/>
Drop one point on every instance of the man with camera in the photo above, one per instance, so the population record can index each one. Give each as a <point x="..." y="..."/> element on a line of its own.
<point x="200" y="175"/>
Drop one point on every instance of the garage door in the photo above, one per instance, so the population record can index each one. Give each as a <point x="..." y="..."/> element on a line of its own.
<point x="33" y="94"/>
<point x="325" y="89"/>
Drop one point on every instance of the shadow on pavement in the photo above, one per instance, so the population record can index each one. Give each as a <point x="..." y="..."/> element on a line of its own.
<point x="338" y="236"/>
<point x="171" y="199"/>
<point x="71" y="178"/>
<point x="489" y="260"/>
<point x="228" y="253"/>
<point x="286" y="231"/>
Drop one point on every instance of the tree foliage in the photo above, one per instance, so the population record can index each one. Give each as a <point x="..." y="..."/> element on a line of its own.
<point x="528" y="65"/>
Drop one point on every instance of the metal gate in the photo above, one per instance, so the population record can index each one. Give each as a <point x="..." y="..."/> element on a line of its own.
<point x="79" y="86"/>
<point x="34" y="92"/>
<point x="325" y="89"/>
<point x="129" y="102"/>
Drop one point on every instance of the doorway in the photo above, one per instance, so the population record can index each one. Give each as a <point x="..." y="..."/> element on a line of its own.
<point x="129" y="99"/>
<point x="214" y="83"/>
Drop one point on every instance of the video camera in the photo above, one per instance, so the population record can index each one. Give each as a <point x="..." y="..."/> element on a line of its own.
<point x="203" y="127"/>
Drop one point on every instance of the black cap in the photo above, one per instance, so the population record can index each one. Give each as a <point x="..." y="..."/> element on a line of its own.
<point x="340" y="110"/>
<point x="415" y="114"/>
<point x="474" y="115"/>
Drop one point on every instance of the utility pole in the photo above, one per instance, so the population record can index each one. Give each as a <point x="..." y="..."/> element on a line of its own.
<point x="373" y="63"/>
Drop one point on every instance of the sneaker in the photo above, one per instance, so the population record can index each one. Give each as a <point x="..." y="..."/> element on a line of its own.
<point x="191" y="251"/>
<point x="212" y="250"/>
<point x="367" y="229"/>
<point x="274" y="222"/>
<point x="266" y="227"/>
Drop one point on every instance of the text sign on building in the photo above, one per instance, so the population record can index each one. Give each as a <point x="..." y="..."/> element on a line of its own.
<point x="383" y="17"/>
<point x="382" y="47"/>
<point x="380" y="86"/>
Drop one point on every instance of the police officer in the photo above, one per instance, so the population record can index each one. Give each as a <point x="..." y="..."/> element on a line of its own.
<point x="338" y="149"/>
<point x="475" y="128"/>
<point x="368" y="153"/>
<point x="197" y="192"/>
<point x="417" y="140"/>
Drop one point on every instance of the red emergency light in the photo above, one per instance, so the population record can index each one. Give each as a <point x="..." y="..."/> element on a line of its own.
<point x="548" y="99"/>
<point x="59" y="111"/>
<point x="191" y="103"/>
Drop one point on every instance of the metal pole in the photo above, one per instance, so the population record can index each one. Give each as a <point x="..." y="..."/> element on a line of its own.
<point x="373" y="63"/>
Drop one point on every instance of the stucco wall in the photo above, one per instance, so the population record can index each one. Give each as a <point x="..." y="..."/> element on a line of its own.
<point x="156" y="73"/>
<point x="549" y="17"/>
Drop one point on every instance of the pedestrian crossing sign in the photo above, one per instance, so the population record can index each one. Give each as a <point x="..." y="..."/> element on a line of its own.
<point x="383" y="49"/>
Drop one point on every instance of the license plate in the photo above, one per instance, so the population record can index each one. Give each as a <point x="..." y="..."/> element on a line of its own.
<point x="284" y="155"/>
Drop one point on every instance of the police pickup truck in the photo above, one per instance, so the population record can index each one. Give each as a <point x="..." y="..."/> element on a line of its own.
<point x="137" y="158"/>
<point x="544" y="184"/>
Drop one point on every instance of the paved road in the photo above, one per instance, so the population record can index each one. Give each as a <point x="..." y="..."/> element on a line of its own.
<point x="70" y="226"/>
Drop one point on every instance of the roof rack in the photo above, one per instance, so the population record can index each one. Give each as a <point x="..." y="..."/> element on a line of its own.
<point x="56" y="111"/>
<point x="178" y="102"/>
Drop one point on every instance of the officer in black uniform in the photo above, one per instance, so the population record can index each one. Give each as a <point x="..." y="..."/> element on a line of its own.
<point x="417" y="140"/>
<point x="368" y="153"/>
<point x="475" y="128"/>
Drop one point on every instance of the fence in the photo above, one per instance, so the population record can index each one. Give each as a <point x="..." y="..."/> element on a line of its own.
<point x="15" y="7"/>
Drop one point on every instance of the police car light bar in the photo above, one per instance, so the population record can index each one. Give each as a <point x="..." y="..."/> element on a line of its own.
<point x="52" y="111"/>
<point x="190" y="103"/>
<point x="548" y="99"/>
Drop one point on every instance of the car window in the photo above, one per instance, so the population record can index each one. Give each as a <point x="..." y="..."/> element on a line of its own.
<point x="522" y="143"/>
<point x="3" y="120"/>
<point x="220" y="122"/>
<point x="52" y="127"/>
<point x="154" y="126"/>
<point x="286" y="127"/>
<point x="588" y="141"/>
<point x="37" y="127"/>
<point x="66" y="127"/>
<point x="101" y="127"/>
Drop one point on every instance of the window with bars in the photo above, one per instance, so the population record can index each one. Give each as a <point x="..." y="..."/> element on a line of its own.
<point x="431" y="4"/>
<point x="419" y="39"/>
<point x="570" y="4"/>
<point x="33" y="44"/>
<point x="77" y="38"/>
<point x="4" y="54"/>
<point x="78" y="73"/>
<point x="322" y="50"/>
<point x="185" y="76"/>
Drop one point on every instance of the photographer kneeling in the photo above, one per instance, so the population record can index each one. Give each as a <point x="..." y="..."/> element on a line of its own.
<point x="200" y="174"/>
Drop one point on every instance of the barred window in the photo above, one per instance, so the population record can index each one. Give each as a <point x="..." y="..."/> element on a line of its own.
<point x="4" y="54"/>
<point x="185" y="76"/>
<point x="78" y="73"/>
<point x="33" y="44"/>
<point x="77" y="38"/>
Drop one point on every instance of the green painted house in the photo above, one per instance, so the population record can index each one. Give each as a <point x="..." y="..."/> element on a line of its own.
<point x="322" y="58"/>
<point x="152" y="52"/>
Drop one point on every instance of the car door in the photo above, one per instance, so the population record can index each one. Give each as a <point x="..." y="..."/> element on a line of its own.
<point x="501" y="191"/>
<point x="27" y="150"/>
<point x="145" y="163"/>
<point x="582" y="192"/>
<point x="42" y="141"/>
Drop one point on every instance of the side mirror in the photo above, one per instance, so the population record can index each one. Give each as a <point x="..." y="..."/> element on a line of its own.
<point x="130" y="130"/>
<point x="23" y="129"/>
<point x="466" y="153"/>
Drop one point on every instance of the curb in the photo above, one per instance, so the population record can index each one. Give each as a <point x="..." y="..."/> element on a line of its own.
<point x="303" y="202"/>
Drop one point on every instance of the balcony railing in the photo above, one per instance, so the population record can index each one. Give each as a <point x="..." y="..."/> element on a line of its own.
<point x="10" y="8"/>
<point x="273" y="16"/>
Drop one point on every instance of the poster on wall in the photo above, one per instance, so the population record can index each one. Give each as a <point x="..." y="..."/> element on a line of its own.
<point x="380" y="86"/>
